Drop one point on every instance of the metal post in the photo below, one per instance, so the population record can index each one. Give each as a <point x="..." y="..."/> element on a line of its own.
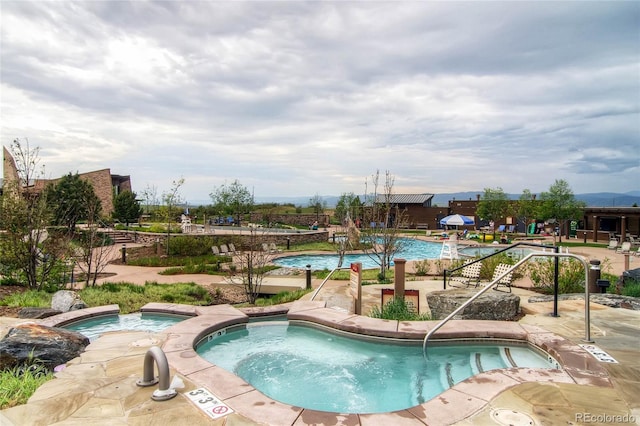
<point x="556" y="274"/>
<point x="288" y="243"/>
<point x="584" y="237"/>
<point x="124" y="253"/>
<point x="308" y="277"/>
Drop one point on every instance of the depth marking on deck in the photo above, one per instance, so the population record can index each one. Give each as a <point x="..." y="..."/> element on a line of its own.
<point x="209" y="403"/>
<point x="599" y="354"/>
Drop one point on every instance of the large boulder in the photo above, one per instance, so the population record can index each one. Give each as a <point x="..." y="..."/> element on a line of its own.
<point x="492" y="305"/>
<point x="37" y="313"/>
<point x="49" y="345"/>
<point x="67" y="300"/>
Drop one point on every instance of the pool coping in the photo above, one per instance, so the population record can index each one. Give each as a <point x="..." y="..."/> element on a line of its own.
<point x="453" y="405"/>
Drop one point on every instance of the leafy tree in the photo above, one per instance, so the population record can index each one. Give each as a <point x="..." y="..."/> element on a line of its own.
<point x="69" y="199"/>
<point x="493" y="205"/>
<point x="348" y="205"/>
<point x="126" y="208"/>
<point x="232" y="199"/>
<point x="560" y="204"/>
<point x="526" y="208"/>
<point x="28" y="250"/>
<point x="318" y="205"/>
<point x="382" y="223"/>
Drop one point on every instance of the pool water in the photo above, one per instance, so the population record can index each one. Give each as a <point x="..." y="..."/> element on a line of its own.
<point x="94" y="327"/>
<point x="411" y="249"/>
<point x="319" y="370"/>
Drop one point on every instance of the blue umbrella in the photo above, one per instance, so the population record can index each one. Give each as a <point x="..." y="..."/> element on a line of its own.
<point x="456" y="220"/>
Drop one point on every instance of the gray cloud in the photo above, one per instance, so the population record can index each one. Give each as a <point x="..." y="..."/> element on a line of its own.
<point x="299" y="98"/>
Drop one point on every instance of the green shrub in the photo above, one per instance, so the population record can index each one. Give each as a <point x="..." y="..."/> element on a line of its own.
<point x="422" y="267"/>
<point x="29" y="298"/>
<point x="631" y="289"/>
<point x="191" y="246"/>
<point x="130" y="297"/>
<point x="570" y="275"/>
<point x="397" y="309"/>
<point x="18" y="384"/>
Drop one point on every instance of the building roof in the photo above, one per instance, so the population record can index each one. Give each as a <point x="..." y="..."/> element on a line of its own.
<point x="404" y="198"/>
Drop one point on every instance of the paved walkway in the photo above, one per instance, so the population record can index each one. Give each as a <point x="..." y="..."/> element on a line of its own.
<point x="99" y="387"/>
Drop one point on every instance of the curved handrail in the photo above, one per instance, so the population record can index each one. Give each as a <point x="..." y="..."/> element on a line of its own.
<point x="315" y="293"/>
<point x="587" y="318"/>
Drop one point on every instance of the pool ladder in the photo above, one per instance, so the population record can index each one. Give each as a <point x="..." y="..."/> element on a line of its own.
<point x="164" y="391"/>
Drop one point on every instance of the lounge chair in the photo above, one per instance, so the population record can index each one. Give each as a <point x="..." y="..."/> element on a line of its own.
<point x="224" y="250"/>
<point x="215" y="250"/>
<point x="471" y="272"/>
<point x="613" y="244"/>
<point x="265" y="248"/>
<point x="501" y="228"/>
<point x="273" y="248"/>
<point x="624" y="248"/>
<point x="232" y="248"/>
<point x="504" y="281"/>
<point x="634" y="241"/>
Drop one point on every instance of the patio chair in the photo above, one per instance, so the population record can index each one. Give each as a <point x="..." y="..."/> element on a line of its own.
<point x="624" y="248"/>
<point x="613" y="244"/>
<point x="273" y="248"/>
<point x="634" y="241"/>
<point x="504" y="281"/>
<point x="224" y="250"/>
<point x="232" y="248"/>
<point x="501" y="228"/>
<point x="215" y="250"/>
<point x="511" y="229"/>
<point x="470" y="272"/>
<point x="265" y="248"/>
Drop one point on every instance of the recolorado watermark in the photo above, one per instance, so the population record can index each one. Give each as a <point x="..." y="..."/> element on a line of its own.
<point x="605" y="418"/>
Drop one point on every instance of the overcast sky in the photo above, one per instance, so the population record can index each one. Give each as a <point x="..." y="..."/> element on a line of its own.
<point x="303" y="98"/>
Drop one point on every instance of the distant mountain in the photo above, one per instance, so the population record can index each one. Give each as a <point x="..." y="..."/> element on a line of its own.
<point x="596" y="199"/>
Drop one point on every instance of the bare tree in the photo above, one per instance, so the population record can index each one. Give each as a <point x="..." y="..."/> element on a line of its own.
<point x="94" y="248"/>
<point x="251" y="264"/>
<point x="383" y="221"/>
<point x="171" y="198"/>
<point x="150" y="196"/>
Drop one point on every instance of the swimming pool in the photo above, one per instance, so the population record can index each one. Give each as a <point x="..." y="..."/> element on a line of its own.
<point x="412" y="249"/>
<point x="94" y="327"/>
<point x="320" y="370"/>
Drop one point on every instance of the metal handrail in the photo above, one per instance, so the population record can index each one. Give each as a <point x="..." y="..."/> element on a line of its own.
<point x="315" y="293"/>
<point x="587" y="318"/>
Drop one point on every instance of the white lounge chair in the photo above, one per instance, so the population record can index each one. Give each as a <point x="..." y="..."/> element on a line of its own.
<point x="232" y="248"/>
<point x="504" y="281"/>
<point x="613" y="244"/>
<point x="468" y="274"/>
<point x="273" y="248"/>
<point x="215" y="250"/>
<point x="624" y="248"/>
<point x="224" y="250"/>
